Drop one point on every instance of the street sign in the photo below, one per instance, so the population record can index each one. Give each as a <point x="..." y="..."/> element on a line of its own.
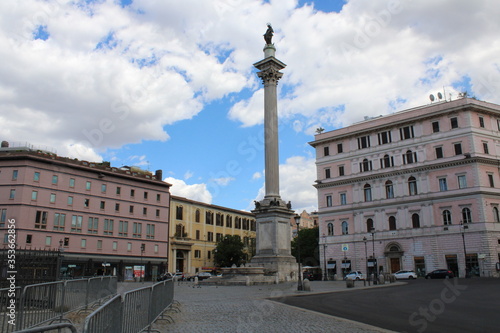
<point x="345" y="247"/>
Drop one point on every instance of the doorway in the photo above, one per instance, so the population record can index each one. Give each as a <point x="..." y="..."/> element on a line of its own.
<point x="395" y="265"/>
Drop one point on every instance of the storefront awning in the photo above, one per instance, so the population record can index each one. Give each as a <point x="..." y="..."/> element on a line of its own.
<point x="346" y="265"/>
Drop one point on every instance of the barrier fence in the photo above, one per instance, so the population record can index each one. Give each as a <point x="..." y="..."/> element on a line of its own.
<point x="136" y="310"/>
<point x="40" y="303"/>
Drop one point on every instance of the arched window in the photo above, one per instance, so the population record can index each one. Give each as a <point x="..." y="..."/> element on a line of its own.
<point x="409" y="157"/>
<point x="389" y="190"/>
<point x="446" y="217"/>
<point x="197" y="216"/>
<point x="229" y="221"/>
<point x="368" y="192"/>
<point x="179" y="230"/>
<point x="366" y="165"/>
<point x="496" y="217"/>
<point x="466" y="215"/>
<point x="415" y="219"/>
<point x="392" y="223"/>
<point x="412" y="186"/>
<point x="345" y="228"/>
<point x="369" y="225"/>
<point x="330" y="229"/>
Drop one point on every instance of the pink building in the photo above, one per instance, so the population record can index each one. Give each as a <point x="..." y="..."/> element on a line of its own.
<point x="104" y="220"/>
<point x="417" y="190"/>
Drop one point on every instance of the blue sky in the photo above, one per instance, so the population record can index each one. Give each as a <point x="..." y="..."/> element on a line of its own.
<point x="171" y="85"/>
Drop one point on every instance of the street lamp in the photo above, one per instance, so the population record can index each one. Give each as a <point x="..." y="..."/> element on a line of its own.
<point x="374" y="262"/>
<point x="366" y="258"/>
<point x="462" y="228"/>
<point x="297" y="222"/>
<point x="143" y="247"/>
<point x="325" y="275"/>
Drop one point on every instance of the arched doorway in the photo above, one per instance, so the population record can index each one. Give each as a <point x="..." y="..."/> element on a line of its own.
<point x="393" y="253"/>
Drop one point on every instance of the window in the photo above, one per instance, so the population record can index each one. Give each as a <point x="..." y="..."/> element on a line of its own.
<point x="36" y="176"/>
<point x="363" y="142"/>
<point x="117" y="207"/>
<point x="412" y="186"/>
<point x="156" y="248"/>
<point x="3" y="217"/>
<point x="99" y="244"/>
<point x="197" y="216"/>
<point x="439" y="152"/>
<point x="454" y="122"/>
<point x="88" y="185"/>
<point x="446" y="217"/>
<point x="52" y="198"/>
<point x="387" y="161"/>
<point x="384" y="137"/>
<point x="157" y="213"/>
<point x="443" y="186"/>
<point x="365" y="165"/>
<point x="132" y="193"/>
<point x="392" y="223"/>
<point x="326" y="151"/>
<point x="72" y="182"/>
<point x="48" y="240"/>
<point x="496" y="216"/>
<point x="329" y="202"/>
<point x="341" y="170"/>
<point x="340" y="148"/>
<point x="93" y="224"/>
<point x="178" y="212"/>
<point x="466" y="215"/>
<point x="108" y="226"/>
<point x="131" y="209"/>
<point x="55" y="179"/>
<point x="66" y="241"/>
<point x="118" y="190"/>
<point x="123" y="228"/>
<point x="210" y="237"/>
<point x="219" y="220"/>
<point x="209" y="218"/>
<point x="70" y="200"/>
<point x="76" y="223"/>
<point x="102" y="205"/>
<point x="406" y="133"/>
<point x="129" y="246"/>
<point x="14" y="174"/>
<point x="389" y="190"/>
<point x="12" y="194"/>
<point x="481" y="122"/>
<point x="435" y="126"/>
<point x="343" y="198"/>
<point x="327" y="173"/>
<point x="83" y="243"/>
<point x="41" y="219"/>
<point x="368" y="192"/>
<point x="209" y="254"/>
<point x="34" y="195"/>
<point x="59" y="221"/>
<point x="458" y="148"/>
<point x="237" y="222"/>
<point x="150" y="231"/>
<point x="345" y="228"/>
<point x="86" y="202"/>
<point x="490" y="180"/>
<point x="485" y="148"/>
<point x="198" y="234"/>
<point x="369" y="225"/>
<point x="28" y="239"/>
<point x="137" y="230"/>
<point x="104" y="187"/>
<point x="145" y="195"/>
<point x="197" y="253"/>
<point x="462" y="181"/>
<point x="415" y="220"/>
<point x="115" y="245"/>
<point x="218" y="237"/>
<point x="144" y="211"/>
<point x="229" y="221"/>
<point x="409" y="157"/>
<point x="330" y="229"/>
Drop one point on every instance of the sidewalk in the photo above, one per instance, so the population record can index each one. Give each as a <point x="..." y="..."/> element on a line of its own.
<point x="247" y="309"/>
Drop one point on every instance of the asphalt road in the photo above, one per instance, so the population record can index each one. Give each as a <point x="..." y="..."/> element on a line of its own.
<point x="452" y="306"/>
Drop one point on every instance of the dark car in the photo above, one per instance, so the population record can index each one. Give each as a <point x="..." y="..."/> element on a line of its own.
<point x="440" y="274"/>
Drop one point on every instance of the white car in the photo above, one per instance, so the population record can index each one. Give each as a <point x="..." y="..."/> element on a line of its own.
<point x="356" y="275"/>
<point x="400" y="275"/>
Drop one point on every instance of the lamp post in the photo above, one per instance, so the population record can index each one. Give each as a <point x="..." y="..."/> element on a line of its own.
<point x="366" y="257"/>
<point x="143" y="247"/>
<point x="60" y="259"/>
<point x="297" y="222"/>
<point x="325" y="275"/>
<point x="462" y="229"/>
<point x="372" y="231"/>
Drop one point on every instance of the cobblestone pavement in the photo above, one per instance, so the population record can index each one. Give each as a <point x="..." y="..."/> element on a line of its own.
<point x="248" y="309"/>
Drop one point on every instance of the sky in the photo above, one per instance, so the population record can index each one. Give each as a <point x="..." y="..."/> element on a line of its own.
<point x="168" y="84"/>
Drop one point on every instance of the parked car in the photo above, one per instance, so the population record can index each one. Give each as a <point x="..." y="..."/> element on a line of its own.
<point x="440" y="274"/>
<point x="204" y="275"/>
<point x="165" y="276"/>
<point x="356" y="275"/>
<point x="400" y="275"/>
<point x="308" y="275"/>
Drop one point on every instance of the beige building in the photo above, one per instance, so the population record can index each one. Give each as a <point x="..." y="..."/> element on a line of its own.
<point x="195" y="229"/>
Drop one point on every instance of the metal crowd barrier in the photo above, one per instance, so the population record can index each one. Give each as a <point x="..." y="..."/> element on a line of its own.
<point x="136" y="310"/>
<point x="48" y="302"/>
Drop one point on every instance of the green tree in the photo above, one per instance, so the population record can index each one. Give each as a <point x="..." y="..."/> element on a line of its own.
<point x="309" y="250"/>
<point x="229" y="251"/>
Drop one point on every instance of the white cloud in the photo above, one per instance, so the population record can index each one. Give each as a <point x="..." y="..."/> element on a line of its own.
<point x="196" y="192"/>
<point x="223" y="181"/>
<point x="256" y="175"/>
<point x="188" y="175"/>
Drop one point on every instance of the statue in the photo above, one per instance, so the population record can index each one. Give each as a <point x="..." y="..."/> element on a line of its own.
<point x="269" y="34"/>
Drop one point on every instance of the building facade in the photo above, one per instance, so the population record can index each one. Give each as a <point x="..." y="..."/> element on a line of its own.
<point x="195" y="229"/>
<point x="418" y="189"/>
<point x="102" y="220"/>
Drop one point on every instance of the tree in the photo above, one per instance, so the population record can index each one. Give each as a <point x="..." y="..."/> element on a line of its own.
<point x="229" y="251"/>
<point x="309" y="250"/>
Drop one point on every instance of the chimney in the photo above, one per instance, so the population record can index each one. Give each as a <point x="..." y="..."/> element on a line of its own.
<point x="159" y="175"/>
